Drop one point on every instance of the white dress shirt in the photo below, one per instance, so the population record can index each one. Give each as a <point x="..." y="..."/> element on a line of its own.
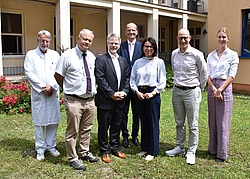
<point x="223" y="67"/>
<point x="71" y="67"/>
<point x="148" y="73"/>
<point x="117" y="67"/>
<point x="189" y="68"/>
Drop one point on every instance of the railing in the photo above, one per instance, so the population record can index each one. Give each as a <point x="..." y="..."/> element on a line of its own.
<point x="13" y="65"/>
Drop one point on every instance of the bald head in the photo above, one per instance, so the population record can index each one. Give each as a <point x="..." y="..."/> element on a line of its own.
<point x="183" y="38"/>
<point x="131" y="31"/>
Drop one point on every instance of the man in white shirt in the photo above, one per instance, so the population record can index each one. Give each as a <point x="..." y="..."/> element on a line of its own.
<point x="39" y="68"/>
<point x="75" y="74"/>
<point x="190" y="77"/>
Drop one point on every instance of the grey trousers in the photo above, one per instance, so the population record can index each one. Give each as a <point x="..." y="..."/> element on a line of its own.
<point x="186" y="103"/>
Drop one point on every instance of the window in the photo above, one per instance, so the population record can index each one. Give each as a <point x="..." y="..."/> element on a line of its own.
<point x="12" y="33"/>
<point x="245" y="51"/>
<point x="195" y="33"/>
<point x="141" y="32"/>
<point x="162" y="39"/>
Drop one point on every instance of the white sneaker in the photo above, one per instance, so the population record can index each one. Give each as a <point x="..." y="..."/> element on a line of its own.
<point x="40" y="156"/>
<point x="54" y="153"/>
<point x="190" y="158"/>
<point x="177" y="150"/>
<point x="149" y="157"/>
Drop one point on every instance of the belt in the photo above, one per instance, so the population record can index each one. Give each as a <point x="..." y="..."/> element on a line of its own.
<point x="185" y="87"/>
<point x="76" y="96"/>
<point x="146" y="87"/>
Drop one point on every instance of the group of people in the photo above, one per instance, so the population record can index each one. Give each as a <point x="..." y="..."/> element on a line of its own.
<point x="130" y="72"/>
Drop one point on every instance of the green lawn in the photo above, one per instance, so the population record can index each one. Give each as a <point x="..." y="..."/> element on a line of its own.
<point x="18" y="156"/>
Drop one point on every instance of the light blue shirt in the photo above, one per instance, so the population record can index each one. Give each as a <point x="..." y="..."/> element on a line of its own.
<point x="148" y="73"/>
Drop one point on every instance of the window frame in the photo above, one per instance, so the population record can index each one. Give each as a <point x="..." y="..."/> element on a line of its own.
<point x="244" y="23"/>
<point x="15" y="34"/>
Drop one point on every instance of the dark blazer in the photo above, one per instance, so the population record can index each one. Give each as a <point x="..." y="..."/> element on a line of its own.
<point x="107" y="82"/>
<point x="124" y="52"/>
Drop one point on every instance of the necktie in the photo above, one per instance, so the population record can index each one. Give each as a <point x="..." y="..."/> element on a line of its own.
<point x="87" y="73"/>
<point x="130" y="51"/>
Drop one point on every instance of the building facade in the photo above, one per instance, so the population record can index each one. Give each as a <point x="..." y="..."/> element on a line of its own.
<point x="22" y="19"/>
<point x="234" y="15"/>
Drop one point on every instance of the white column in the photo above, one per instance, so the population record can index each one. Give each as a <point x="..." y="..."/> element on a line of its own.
<point x="184" y="4"/>
<point x="153" y="24"/>
<point x="114" y="18"/>
<point x="1" y="58"/>
<point x="63" y="24"/>
<point x="183" y="23"/>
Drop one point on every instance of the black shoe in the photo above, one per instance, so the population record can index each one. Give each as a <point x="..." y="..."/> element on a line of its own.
<point x="90" y="157"/>
<point x="135" y="141"/>
<point x="219" y="160"/>
<point x="125" y="142"/>
<point x="77" y="164"/>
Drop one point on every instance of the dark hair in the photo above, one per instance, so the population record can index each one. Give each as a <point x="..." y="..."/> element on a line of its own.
<point x="152" y="41"/>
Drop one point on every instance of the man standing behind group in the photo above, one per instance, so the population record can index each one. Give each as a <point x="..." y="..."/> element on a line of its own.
<point x="131" y="50"/>
<point x="75" y="74"/>
<point x="39" y="68"/>
<point x="190" y="77"/>
<point x="112" y="77"/>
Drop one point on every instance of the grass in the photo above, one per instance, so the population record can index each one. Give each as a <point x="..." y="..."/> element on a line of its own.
<point x="18" y="155"/>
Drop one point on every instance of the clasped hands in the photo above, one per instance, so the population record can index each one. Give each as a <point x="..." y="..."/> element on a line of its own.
<point x="118" y="96"/>
<point x="217" y="94"/>
<point x="47" y="90"/>
<point x="142" y="96"/>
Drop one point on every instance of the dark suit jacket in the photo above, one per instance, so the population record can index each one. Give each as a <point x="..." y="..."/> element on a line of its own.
<point x="124" y="52"/>
<point x="107" y="82"/>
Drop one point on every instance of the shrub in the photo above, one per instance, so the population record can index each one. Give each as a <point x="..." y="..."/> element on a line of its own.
<point x="169" y="76"/>
<point x="15" y="98"/>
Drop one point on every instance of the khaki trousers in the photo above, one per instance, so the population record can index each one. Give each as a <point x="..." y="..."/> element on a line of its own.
<point x="80" y="117"/>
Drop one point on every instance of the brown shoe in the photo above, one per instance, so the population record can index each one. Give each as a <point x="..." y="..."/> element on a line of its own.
<point x="106" y="158"/>
<point x="120" y="154"/>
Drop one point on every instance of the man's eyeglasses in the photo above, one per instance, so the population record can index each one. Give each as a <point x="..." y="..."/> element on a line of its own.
<point x="183" y="38"/>
<point x="45" y="41"/>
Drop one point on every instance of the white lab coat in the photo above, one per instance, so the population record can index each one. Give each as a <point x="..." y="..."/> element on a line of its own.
<point x="39" y="70"/>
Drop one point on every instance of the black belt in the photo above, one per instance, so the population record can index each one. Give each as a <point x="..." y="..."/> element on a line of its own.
<point x="146" y="87"/>
<point x="185" y="87"/>
<point x="74" y="95"/>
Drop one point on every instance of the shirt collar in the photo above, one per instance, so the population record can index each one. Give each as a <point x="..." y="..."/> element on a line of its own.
<point x="131" y="42"/>
<point x="112" y="56"/>
<point x="79" y="52"/>
<point x="188" y="51"/>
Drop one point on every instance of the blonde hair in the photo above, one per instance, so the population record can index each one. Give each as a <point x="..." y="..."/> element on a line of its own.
<point x="225" y="30"/>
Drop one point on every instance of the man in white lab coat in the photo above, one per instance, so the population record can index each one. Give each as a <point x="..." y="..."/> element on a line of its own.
<point x="39" y="68"/>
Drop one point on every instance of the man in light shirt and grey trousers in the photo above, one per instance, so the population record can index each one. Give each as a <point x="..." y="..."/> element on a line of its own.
<point x="190" y="77"/>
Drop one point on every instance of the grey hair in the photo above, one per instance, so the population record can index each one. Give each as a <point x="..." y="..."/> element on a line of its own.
<point x="45" y="32"/>
<point x="114" y="35"/>
<point x="87" y="31"/>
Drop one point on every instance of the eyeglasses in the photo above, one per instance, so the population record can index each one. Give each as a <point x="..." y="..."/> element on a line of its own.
<point x="45" y="41"/>
<point x="147" y="46"/>
<point x="183" y="38"/>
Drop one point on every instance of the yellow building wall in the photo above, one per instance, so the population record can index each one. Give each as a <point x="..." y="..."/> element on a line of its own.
<point x="223" y="13"/>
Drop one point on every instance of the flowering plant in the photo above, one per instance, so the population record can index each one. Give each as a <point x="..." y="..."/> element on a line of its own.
<point x="15" y="98"/>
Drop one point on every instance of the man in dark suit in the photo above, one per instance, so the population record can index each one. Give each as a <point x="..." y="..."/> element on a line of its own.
<point x="112" y="77"/>
<point x="131" y="50"/>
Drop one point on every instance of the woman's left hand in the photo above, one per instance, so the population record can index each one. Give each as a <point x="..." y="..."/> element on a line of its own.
<point x="148" y="95"/>
<point x="217" y="94"/>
